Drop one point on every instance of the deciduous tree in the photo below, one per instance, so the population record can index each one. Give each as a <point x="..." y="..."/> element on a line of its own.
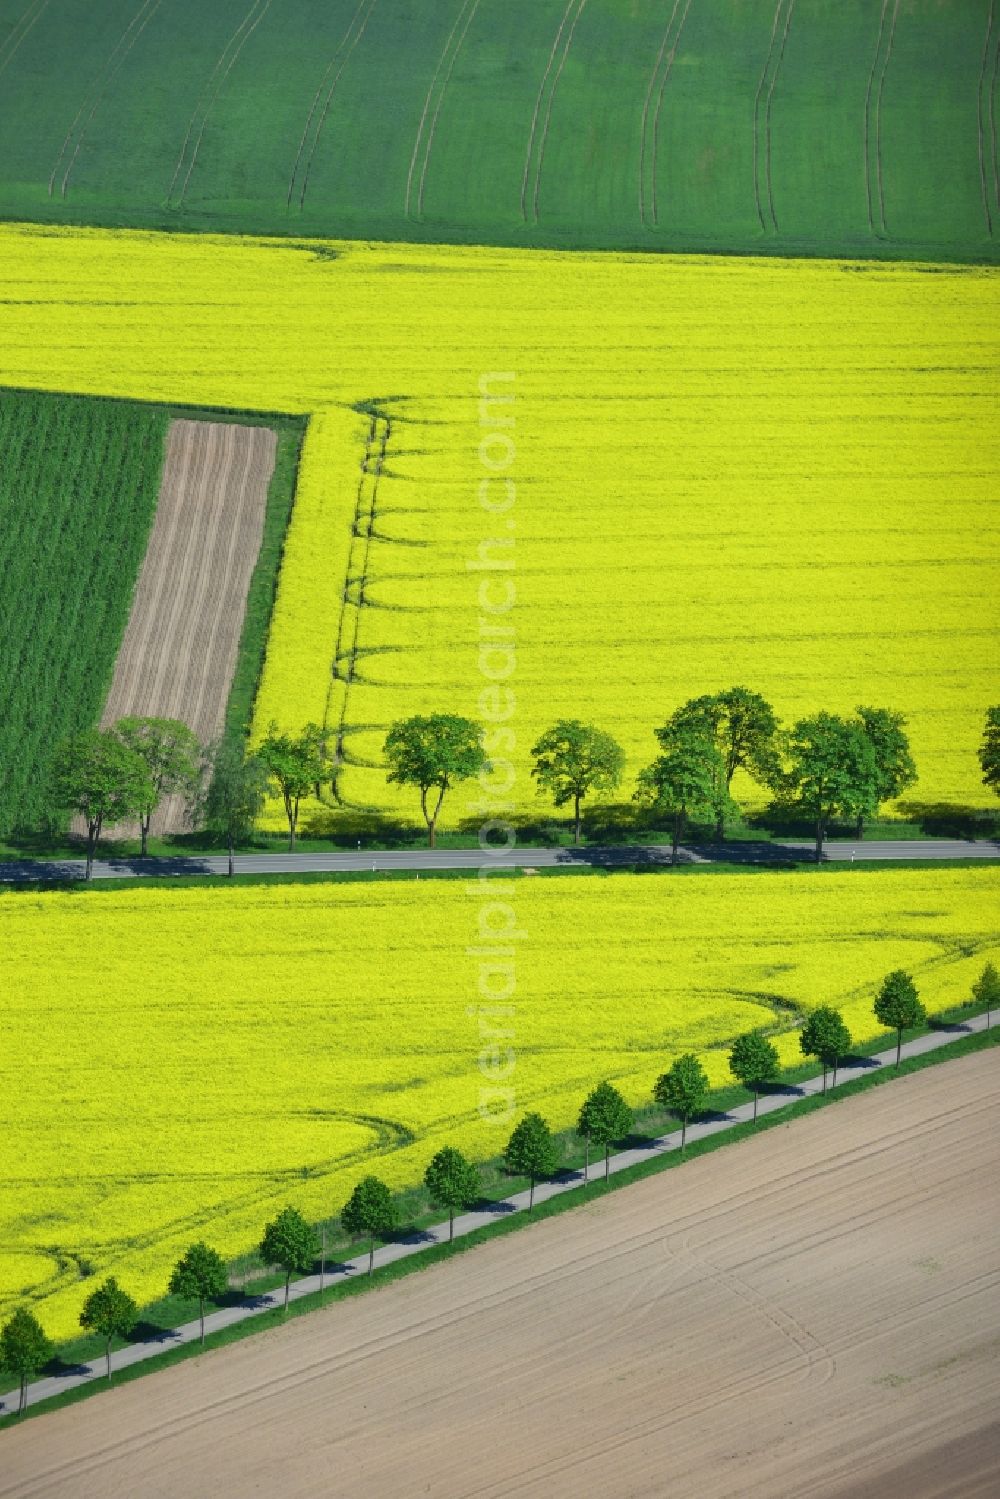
<point x="170" y="752"/>
<point x="453" y="1183"/>
<point x="297" y="764"/>
<point x="531" y="1152"/>
<point x="753" y="1061"/>
<point x="111" y="1313"/>
<point x="370" y="1213"/>
<point x="894" y="767"/>
<point x="683" y="1090"/>
<point x="686" y="780"/>
<point x="989" y="750"/>
<point x="235" y="790"/>
<point x="103" y="780"/>
<point x="604" y="1118"/>
<point x="742" y="725"/>
<point x="825" y="1037"/>
<point x="200" y="1275"/>
<point x="434" y="753"/>
<point x="898" y="1007"/>
<point x="290" y="1243"/>
<point x="573" y="760"/>
<point x="831" y="770"/>
<point x="986" y="990"/>
<point x="24" y="1350"/>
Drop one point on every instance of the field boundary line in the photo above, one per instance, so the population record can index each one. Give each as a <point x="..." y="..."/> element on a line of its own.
<point x="13" y="42"/>
<point x="548" y="111"/>
<point x="356" y="579"/>
<point x="538" y="108"/>
<point x="108" y="70"/>
<point x="513" y="1207"/>
<point x="345" y="39"/>
<point x="446" y="52"/>
<point x="232" y="50"/>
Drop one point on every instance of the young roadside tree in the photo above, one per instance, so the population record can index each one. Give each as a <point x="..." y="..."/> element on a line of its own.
<point x="297" y="764"/>
<point x="531" y="1152"/>
<point x="753" y="1061"/>
<point x="683" y="1090"/>
<point x="986" y="990"/>
<point x="687" y="780"/>
<point x="434" y="753"/>
<point x="825" y="1037"/>
<point x="742" y="725"/>
<point x="604" y="1119"/>
<point x="235" y="790"/>
<point x="832" y="770"/>
<point x="101" y="779"/>
<point x="24" y="1350"/>
<point x="171" y="755"/>
<point x="200" y="1275"/>
<point x="290" y="1243"/>
<point x="574" y="759"/>
<point x="111" y="1313"/>
<point x="894" y="767"/>
<point x="898" y="1007"/>
<point x="989" y="750"/>
<point x="370" y="1213"/>
<point x="453" y="1183"/>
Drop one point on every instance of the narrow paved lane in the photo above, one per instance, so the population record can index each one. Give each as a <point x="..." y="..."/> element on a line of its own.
<point x="788" y="854"/>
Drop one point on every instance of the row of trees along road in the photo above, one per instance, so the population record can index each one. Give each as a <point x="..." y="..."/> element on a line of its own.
<point x="824" y="766"/>
<point x="453" y="1183"/>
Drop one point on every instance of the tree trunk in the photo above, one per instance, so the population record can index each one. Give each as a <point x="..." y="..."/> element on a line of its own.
<point x="107" y="1354"/>
<point x="824" y="1077"/>
<point x="819" y="838"/>
<point x="607" y="1161"/>
<point x="93" y="837"/>
<point x="531" y="1195"/>
<point x="834" y="1084"/>
<point x="144" y="834"/>
<point x="755" y="1096"/>
<point x="201" y="1313"/>
<point x="859" y="831"/>
<point x="451" y="1224"/>
<point x="586" y="1161"/>
<point x="293" y="817"/>
<point x="288" y="1283"/>
<point x="232" y="860"/>
<point x="576" y="821"/>
<point x="371" y="1254"/>
<point x="899" y="1044"/>
<point x="720" y="826"/>
<point x="676" y="838"/>
<point x="684" y="1132"/>
<point x="22" y="1404"/>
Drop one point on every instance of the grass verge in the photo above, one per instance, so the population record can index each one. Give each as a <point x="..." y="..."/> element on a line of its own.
<point x="574" y="1197"/>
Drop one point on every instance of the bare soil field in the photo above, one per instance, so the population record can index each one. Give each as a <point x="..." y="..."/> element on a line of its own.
<point x="179" y="651"/>
<point x="812" y="1312"/>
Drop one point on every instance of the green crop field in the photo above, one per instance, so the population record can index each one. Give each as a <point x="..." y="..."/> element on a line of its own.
<point x="799" y="126"/>
<point x="78" y="488"/>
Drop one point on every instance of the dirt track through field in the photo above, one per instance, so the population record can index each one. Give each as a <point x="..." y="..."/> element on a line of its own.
<point x="180" y="647"/>
<point x="812" y="1312"/>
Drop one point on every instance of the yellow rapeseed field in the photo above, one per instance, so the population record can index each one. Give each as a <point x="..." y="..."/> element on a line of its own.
<point x="199" y="1057"/>
<point x="770" y="472"/>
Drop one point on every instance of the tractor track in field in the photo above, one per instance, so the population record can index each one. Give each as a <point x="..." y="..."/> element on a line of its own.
<point x="435" y="98"/>
<point x="874" y="182"/>
<point x="199" y="119"/>
<point x="78" y="130"/>
<point x="529" y="160"/>
<point x="350" y="40"/>
<point x="19" y="32"/>
<point x="986" y="117"/>
<point x="650" y="138"/>
<point x="548" y="109"/>
<point x="765" y="95"/>
<point x="356" y="580"/>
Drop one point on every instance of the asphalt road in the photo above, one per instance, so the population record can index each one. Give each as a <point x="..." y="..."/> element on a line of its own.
<point x="793" y="852"/>
<point x="467" y="1223"/>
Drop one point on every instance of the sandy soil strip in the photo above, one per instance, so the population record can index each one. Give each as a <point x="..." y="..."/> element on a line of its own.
<point x="812" y="1312"/>
<point x="179" y="652"/>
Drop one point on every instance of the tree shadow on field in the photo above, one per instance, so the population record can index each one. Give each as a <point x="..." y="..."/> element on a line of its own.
<point x="952" y="819"/>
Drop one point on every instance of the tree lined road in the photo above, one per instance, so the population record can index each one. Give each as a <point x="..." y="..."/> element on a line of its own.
<point x="432" y="861"/>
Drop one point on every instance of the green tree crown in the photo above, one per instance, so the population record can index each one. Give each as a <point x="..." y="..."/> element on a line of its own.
<point x="753" y="1060"/>
<point x="989" y="750"/>
<point x="605" y="1116"/>
<point x="531" y="1149"/>
<point x="370" y="1211"/>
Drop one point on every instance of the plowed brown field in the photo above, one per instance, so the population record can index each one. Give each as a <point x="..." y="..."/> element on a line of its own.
<point x="179" y="652"/>
<point x="813" y="1312"/>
